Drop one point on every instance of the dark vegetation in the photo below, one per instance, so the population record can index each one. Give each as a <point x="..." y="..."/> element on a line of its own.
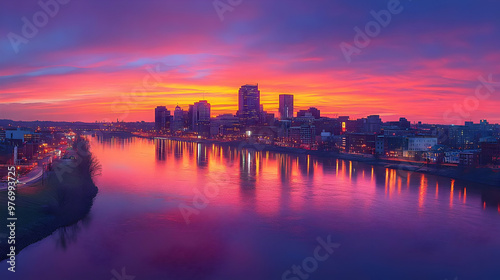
<point x="61" y="199"/>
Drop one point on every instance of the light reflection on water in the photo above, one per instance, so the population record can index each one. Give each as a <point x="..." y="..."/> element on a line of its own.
<point x="268" y="210"/>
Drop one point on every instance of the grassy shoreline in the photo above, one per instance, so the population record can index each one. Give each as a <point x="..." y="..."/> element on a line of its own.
<point x="64" y="198"/>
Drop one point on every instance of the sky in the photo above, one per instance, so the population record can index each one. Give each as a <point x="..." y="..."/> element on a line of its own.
<point x="75" y="60"/>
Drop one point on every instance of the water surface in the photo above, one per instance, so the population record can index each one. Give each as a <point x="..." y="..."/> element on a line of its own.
<point x="176" y="210"/>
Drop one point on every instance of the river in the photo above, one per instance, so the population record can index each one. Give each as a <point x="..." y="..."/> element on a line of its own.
<point x="177" y="210"/>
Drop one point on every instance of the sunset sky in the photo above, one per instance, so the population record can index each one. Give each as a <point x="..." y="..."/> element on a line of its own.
<point x="90" y="61"/>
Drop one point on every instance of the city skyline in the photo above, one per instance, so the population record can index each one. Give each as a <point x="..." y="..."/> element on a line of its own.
<point x="457" y="112"/>
<point x="296" y="112"/>
<point x="249" y="139"/>
<point x="420" y="73"/>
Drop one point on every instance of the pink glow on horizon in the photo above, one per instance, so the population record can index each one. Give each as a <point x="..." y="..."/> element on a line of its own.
<point x="80" y="70"/>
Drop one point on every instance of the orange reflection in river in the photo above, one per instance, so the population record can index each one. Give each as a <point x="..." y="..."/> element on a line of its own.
<point x="260" y="180"/>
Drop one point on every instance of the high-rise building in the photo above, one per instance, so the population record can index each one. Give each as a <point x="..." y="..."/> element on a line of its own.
<point x="249" y="104"/>
<point x="162" y="119"/>
<point x="178" y="123"/>
<point x="201" y="117"/>
<point x="286" y="106"/>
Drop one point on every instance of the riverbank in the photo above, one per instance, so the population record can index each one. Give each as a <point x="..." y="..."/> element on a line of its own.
<point x="63" y="198"/>
<point x="484" y="176"/>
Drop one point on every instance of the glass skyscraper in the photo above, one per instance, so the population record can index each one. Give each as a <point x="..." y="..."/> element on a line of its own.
<point x="249" y="104"/>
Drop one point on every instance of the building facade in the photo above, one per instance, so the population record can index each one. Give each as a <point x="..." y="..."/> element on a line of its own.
<point x="312" y="112"/>
<point x="201" y="118"/>
<point x="286" y="106"/>
<point x="178" y="120"/>
<point x="225" y="126"/>
<point x="360" y="143"/>
<point x="162" y="119"/>
<point x="421" y="144"/>
<point x="249" y="104"/>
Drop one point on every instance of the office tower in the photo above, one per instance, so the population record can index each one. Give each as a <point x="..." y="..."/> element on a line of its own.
<point x="249" y="104"/>
<point x="286" y="106"/>
<point x="201" y="117"/>
<point x="162" y="118"/>
<point x="178" y="123"/>
<point x="201" y="111"/>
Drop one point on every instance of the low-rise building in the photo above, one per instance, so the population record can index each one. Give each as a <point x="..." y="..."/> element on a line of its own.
<point x="452" y="157"/>
<point x="303" y="135"/>
<point x="421" y="144"/>
<point x="469" y="158"/>
<point x="490" y="152"/>
<point x="21" y="135"/>
<point x="391" y="146"/>
<point x="360" y="143"/>
<point x="417" y="147"/>
<point x="225" y="126"/>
